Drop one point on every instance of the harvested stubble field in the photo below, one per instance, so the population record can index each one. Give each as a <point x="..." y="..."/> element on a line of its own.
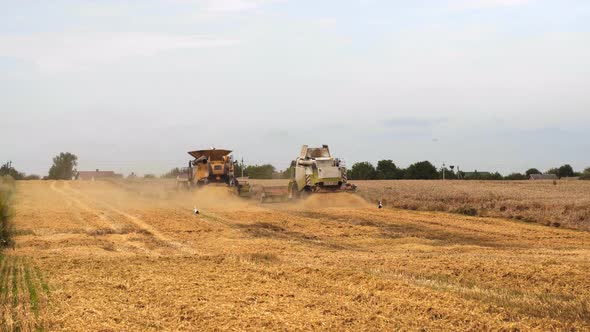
<point x="132" y="256"/>
<point x="559" y="204"/>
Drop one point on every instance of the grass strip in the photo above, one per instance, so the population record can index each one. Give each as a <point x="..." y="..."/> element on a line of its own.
<point x="15" y="282"/>
<point x="42" y="280"/>
<point x="33" y="296"/>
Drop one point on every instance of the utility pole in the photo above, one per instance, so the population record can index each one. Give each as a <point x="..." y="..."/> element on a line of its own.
<point x="242" y="167"/>
<point x="443" y="171"/>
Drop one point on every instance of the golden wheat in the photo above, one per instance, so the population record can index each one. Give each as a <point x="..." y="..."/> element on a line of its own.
<point x="245" y="266"/>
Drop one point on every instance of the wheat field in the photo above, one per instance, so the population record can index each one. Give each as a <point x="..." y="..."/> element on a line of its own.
<point x="556" y="204"/>
<point x="133" y="256"/>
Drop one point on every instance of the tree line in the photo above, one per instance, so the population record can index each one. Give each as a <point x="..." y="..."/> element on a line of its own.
<point x="64" y="168"/>
<point x="425" y="170"/>
<point x="388" y="170"/>
<point x="265" y="171"/>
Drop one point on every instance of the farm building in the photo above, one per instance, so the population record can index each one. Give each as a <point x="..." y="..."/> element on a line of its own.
<point x="97" y="175"/>
<point x="476" y="175"/>
<point x="543" y="177"/>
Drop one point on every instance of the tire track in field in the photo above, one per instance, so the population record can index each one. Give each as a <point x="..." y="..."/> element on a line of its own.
<point x="137" y="222"/>
<point x="82" y="206"/>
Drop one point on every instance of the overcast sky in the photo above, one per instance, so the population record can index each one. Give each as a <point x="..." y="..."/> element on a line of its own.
<point x="133" y="85"/>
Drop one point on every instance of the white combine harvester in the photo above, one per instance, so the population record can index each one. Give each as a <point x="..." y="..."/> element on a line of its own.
<point x="316" y="171"/>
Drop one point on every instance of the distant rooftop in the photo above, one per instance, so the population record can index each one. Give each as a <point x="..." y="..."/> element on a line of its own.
<point x="97" y="174"/>
<point x="543" y="177"/>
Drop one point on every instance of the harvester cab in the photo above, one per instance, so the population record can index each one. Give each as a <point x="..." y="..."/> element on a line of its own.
<point x="317" y="171"/>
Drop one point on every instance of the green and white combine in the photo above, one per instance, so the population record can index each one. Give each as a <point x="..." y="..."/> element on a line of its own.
<point x="316" y="171"/>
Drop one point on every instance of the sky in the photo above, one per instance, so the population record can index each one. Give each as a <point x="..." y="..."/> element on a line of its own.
<point x="131" y="86"/>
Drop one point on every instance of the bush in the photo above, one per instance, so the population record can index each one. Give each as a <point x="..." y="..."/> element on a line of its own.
<point x="259" y="171"/>
<point x="468" y="211"/>
<point x="6" y="191"/>
<point x="8" y="170"/>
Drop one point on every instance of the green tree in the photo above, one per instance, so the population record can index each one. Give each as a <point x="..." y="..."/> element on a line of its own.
<point x="238" y="170"/>
<point x="387" y="170"/>
<point x="492" y="176"/>
<point x="288" y="172"/>
<point x="553" y="171"/>
<point x="172" y="174"/>
<point x="517" y="176"/>
<point x="586" y="174"/>
<point x="449" y="174"/>
<point x="423" y="170"/>
<point x="363" y="171"/>
<point x="259" y="171"/>
<point x="566" y="171"/>
<point x="8" y="170"/>
<point x="531" y="171"/>
<point x="63" y="167"/>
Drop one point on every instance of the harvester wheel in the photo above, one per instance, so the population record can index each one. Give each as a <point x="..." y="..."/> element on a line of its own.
<point x="293" y="191"/>
<point x="304" y="193"/>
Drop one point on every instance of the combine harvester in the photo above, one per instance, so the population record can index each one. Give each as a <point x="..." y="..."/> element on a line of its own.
<point x="316" y="171"/>
<point x="209" y="166"/>
<point x="213" y="166"/>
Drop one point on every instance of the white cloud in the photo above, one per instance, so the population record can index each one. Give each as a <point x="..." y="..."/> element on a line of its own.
<point x="233" y="5"/>
<point x="475" y="4"/>
<point x="325" y="22"/>
<point x="56" y="52"/>
<point x="198" y="8"/>
<point x="214" y="9"/>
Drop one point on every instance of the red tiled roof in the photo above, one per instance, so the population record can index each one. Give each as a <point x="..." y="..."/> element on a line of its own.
<point x="88" y="175"/>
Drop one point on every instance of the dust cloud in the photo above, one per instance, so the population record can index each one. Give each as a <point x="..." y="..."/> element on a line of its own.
<point x="334" y="200"/>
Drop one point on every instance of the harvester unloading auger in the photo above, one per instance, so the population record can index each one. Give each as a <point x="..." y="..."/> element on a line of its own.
<point x="316" y="171"/>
